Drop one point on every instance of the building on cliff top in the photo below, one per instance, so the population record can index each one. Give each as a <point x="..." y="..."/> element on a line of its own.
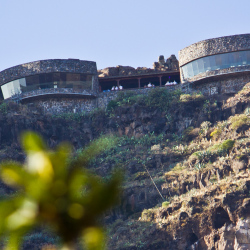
<point x="223" y="63"/>
<point x="219" y="65"/>
<point x="51" y="78"/>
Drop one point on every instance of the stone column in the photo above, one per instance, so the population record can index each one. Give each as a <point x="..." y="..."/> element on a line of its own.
<point x="118" y="83"/>
<point x="160" y="80"/>
<point x="139" y="83"/>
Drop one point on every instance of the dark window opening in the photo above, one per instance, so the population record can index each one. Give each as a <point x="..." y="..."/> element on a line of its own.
<point x="107" y="85"/>
<point x="129" y="84"/>
<point x="153" y="80"/>
<point x="173" y="78"/>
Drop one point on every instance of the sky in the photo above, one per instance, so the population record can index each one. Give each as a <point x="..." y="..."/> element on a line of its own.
<point x="113" y="32"/>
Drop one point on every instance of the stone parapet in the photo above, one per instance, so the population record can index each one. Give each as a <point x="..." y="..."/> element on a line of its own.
<point x="226" y="84"/>
<point x="47" y="66"/>
<point x="53" y="91"/>
<point x="57" y="106"/>
<point x="214" y="46"/>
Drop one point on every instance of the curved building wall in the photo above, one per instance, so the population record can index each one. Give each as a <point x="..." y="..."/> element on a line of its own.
<point x="215" y="57"/>
<point x="76" y="76"/>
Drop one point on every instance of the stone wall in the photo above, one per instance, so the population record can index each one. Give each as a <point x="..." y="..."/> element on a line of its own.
<point x="64" y="105"/>
<point x="50" y="66"/>
<point x="227" y="84"/>
<point x="53" y="92"/>
<point x="214" y="46"/>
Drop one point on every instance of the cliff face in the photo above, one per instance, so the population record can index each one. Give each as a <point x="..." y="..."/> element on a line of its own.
<point x="194" y="148"/>
<point x="207" y="188"/>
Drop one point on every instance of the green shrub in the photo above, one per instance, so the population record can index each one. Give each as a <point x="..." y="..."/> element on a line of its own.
<point x="185" y="98"/>
<point x="218" y="130"/>
<point x="216" y="133"/>
<point x="112" y="105"/>
<point x="225" y="146"/>
<point x="147" y="214"/>
<point x="141" y="175"/>
<point x="165" y="204"/>
<point x="204" y="127"/>
<point x="156" y="97"/>
<point x="159" y="181"/>
<point x="159" y="97"/>
<point x="3" y="108"/>
<point x="126" y="97"/>
<point x="200" y="155"/>
<point x="192" y="97"/>
<point x="70" y="116"/>
<point x="211" y="153"/>
<point x="189" y="133"/>
<point x="238" y="121"/>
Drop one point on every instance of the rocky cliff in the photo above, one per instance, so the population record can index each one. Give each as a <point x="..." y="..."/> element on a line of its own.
<point x="195" y="149"/>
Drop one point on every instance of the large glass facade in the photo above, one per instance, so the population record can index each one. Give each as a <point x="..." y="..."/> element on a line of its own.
<point x="48" y="81"/>
<point x="216" y="62"/>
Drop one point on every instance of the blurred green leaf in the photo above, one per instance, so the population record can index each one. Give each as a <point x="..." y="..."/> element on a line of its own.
<point x="32" y="142"/>
<point x="94" y="238"/>
<point x="57" y="192"/>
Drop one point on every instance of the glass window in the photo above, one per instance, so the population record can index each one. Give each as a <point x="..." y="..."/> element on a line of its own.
<point x="212" y="62"/>
<point x="190" y="70"/>
<point x="195" y="67"/>
<point x="184" y="71"/>
<point x="248" y="57"/>
<point x="235" y="59"/>
<point x="206" y="64"/>
<point x="224" y="61"/>
<point x="200" y="65"/>
<point x="12" y="88"/>
<point x="243" y="58"/>
<point x="216" y="62"/>
<point x="32" y="80"/>
<point x="45" y="81"/>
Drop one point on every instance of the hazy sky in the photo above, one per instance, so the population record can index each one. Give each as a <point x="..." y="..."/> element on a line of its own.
<point x="113" y="32"/>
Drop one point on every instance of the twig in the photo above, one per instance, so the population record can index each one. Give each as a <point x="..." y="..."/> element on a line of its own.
<point x="153" y="182"/>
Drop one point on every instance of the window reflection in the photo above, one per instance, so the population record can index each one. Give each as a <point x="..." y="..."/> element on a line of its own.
<point x="216" y="62"/>
<point x="45" y="81"/>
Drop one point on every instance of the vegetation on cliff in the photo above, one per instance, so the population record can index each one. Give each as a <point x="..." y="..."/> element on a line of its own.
<point x="194" y="148"/>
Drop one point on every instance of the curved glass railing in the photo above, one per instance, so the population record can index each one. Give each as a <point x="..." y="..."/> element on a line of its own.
<point x="216" y="62"/>
<point x="77" y="83"/>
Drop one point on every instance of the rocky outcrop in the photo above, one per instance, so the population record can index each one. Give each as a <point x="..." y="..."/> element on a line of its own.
<point x="170" y="64"/>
